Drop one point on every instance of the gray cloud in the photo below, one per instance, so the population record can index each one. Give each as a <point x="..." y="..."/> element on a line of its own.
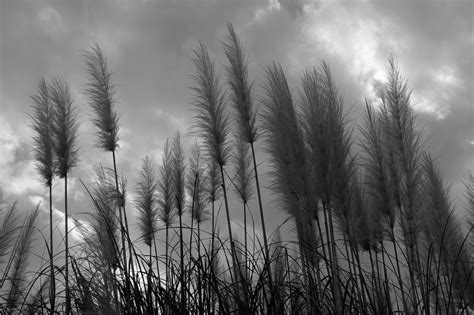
<point x="296" y="8"/>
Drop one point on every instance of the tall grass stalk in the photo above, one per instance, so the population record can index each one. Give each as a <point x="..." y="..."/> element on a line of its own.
<point x="332" y="164"/>
<point x="41" y="123"/>
<point x="100" y="91"/>
<point x="289" y="167"/>
<point x="242" y="101"/>
<point x="213" y="190"/>
<point x="405" y="143"/>
<point x="195" y="183"/>
<point x="166" y="213"/>
<point x="378" y="182"/>
<point x="147" y="216"/>
<point x="244" y="188"/>
<point x="179" y="200"/>
<point x="65" y="148"/>
<point x="212" y="121"/>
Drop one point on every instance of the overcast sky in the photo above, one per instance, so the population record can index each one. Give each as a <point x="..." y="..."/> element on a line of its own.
<point x="149" y="43"/>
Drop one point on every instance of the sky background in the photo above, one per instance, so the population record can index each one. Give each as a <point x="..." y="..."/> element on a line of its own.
<point x="149" y="45"/>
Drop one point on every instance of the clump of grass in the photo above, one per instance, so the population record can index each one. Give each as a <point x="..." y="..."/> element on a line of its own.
<point x="449" y="277"/>
<point x="101" y="246"/>
<point x="346" y="206"/>
<point x="17" y="278"/>
<point x="8" y="231"/>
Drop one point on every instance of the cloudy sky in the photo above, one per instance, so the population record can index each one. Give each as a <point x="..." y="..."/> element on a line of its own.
<point x="149" y="44"/>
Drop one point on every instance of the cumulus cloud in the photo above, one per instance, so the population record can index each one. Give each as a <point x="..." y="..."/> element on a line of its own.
<point x="17" y="174"/>
<point x="50" y="21"/>
<point x="296" y="8"/>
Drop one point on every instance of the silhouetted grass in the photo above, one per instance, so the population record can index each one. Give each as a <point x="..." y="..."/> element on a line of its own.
<point x="376" y="231"/>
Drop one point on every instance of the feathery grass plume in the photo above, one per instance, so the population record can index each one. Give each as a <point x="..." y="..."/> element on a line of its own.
<point x="442" y="230"/>
<point x="101" y="93"/>
<point x="41" y="120"/>
<point x="376" y="173"/>
<point x="195" y="183"/>
<point x="8" y="232"/>
<point x="165" y="188"/>
<point x="289" y="167"/>
<point x="64" y="129"/>
<point x="211" y="120"/>
<point x="243" y="172"/>
<point x="214" y="186"/>
<point x="324" y="130"/>
<point x="146" y="200"/>
<point x="9" y="219"/>
<point x="404" y="143"/>
<point x="104" y="181"/>
<point x="17" y="277"/>
<point x="285" y="144"/>
<point x="178" y="167"/>
<point x="41" y="123"/>
<point x="469" y="185"/>
<point x="340" y="171"/>
<point x="237" y="78"/>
